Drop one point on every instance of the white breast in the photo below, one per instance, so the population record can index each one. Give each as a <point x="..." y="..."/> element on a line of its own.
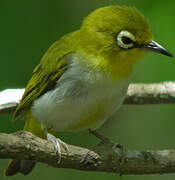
<point x="78" y="93"/>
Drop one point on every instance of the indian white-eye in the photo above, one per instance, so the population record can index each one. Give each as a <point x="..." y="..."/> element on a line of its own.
<point x="82" y="79"/>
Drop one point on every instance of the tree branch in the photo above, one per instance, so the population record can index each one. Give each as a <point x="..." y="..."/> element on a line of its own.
<point x="103" y="158"/>
<point x="138" y="94"/>
<point x="156" y="93"/>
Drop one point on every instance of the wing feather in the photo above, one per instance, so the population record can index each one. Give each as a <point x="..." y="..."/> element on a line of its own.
<point x="45" y="76"/>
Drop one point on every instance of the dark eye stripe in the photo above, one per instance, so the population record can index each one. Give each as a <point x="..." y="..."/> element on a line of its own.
<point x="126" y="40"/>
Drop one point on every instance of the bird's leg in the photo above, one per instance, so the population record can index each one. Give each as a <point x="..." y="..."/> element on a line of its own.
<point x="103" y="139"/>
<point x="57" y="143"/>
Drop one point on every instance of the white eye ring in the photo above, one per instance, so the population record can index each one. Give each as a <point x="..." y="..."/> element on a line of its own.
<point x="129" y="36"/>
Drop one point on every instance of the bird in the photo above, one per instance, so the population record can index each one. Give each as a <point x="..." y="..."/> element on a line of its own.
<point x="82" y="79"/>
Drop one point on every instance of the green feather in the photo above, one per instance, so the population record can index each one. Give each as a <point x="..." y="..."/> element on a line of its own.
<point x="45" y="76"/>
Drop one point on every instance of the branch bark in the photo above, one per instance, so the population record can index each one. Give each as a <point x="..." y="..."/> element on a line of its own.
<point x="155" y="93"/>
<point x="103" y="157"/>
<point x="138" y="94"/>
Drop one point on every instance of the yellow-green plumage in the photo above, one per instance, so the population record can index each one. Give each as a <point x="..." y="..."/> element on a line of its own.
<point x="82" y="79"/>
<point x="109" y="19"/>
<point x="33" y="126"/>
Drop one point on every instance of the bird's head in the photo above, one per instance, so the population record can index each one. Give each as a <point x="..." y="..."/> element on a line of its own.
<point x="121" y="35"/>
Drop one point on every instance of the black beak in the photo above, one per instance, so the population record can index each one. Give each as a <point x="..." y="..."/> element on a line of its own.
<point x="154" y="46"/>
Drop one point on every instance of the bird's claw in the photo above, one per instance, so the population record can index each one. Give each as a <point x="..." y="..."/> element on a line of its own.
<point x="118" y="148"/>
<point x="57" y="143"/>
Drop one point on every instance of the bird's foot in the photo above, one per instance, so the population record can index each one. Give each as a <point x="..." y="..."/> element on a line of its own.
<point x="57" y="143"/>
<point x="122" y="151"/>
<point x="116" y="147"/>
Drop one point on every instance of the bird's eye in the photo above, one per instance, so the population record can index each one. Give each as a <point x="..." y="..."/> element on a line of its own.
<point x="125" y="40"/>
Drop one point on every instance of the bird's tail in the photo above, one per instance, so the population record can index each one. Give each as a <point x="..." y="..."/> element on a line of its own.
<point x="25" y="166"/>
<point x="19" y="166"/>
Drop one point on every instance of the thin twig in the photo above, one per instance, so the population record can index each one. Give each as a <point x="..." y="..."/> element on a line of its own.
<point x="156" y="93"/>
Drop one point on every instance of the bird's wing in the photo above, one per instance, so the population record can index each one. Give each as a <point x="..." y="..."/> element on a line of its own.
<point x="45" y="76"/>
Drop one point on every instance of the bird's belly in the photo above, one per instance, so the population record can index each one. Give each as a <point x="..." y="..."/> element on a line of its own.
<point x="89" y="109"/>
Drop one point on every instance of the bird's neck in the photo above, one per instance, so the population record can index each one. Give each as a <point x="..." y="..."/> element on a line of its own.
<point x="118" y="70"/>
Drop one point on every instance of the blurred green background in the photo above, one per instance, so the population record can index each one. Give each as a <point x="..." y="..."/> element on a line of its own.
<point x="29" y="27"/>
